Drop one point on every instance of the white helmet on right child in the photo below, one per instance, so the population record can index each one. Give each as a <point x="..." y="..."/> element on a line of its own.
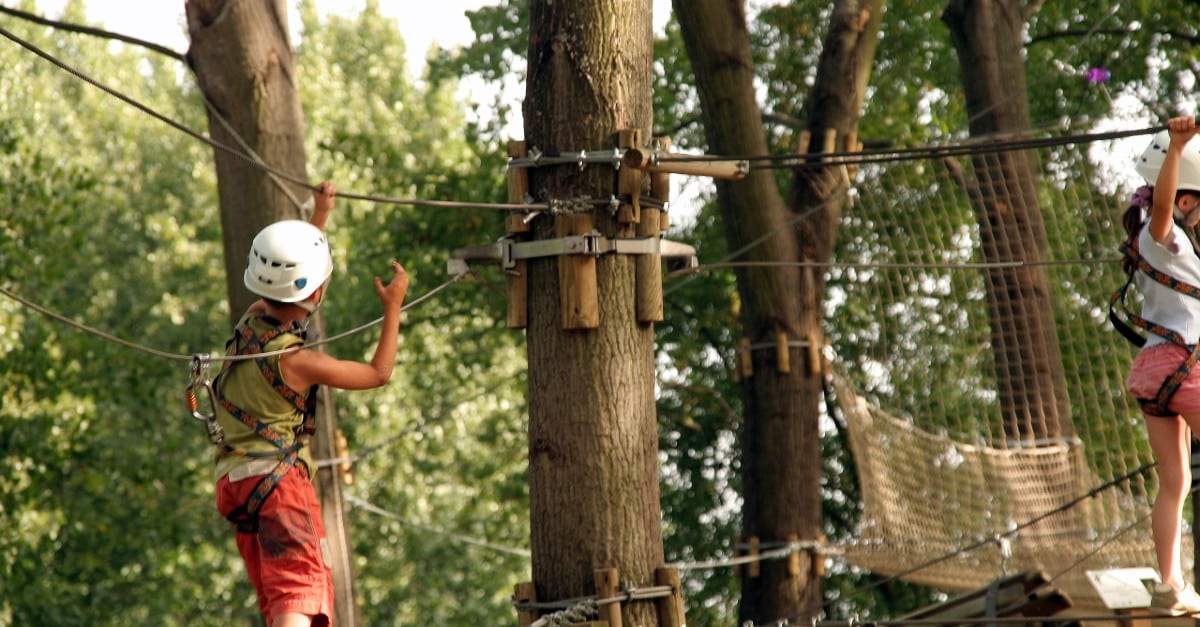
<point x="1151" y="161"/>
<point x="288" y="261"/>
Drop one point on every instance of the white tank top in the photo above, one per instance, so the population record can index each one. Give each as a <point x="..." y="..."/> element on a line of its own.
<point x="1170" y="308"/>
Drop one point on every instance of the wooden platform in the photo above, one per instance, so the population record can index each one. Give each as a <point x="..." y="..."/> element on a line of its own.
<point x="1025" y="594"/>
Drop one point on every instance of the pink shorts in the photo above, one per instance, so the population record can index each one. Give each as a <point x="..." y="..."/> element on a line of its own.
<point x="286" y="558"/>
<point x="1151" y="368"/>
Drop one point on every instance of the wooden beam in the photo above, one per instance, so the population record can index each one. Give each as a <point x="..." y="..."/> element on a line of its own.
<point x="730" y="169"/>
<point x="606" y="588"/>
<point x="577" y="277"/>
<point x="518" y="277"/>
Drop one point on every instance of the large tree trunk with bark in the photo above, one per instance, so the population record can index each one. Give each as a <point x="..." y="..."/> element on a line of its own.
<point x="988" y="36"/>
<point x="244" y="66"/>
<point x="780" y="443"/>
<point x="781" y="446"/>
<point x="593" y="439"/>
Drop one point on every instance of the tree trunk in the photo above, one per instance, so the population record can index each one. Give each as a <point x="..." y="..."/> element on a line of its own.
<point x="593" y="439"/>
<point x="244" y="66"/>
<point x="781" y="458"/>
<point x="781" y="449"/>
<point x="988" y="36"/>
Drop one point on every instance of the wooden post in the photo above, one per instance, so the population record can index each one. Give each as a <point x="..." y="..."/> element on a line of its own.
<point x="629" y="180"/>
<point x="606" y="587"/>
<point x="783" y="355"/>
<point x="728" y="169"/>
<point x="341" y="449"/>
<point x="802" y="142"/>
<point x="830" y="144"/>
<point x="793" y="567"/>
<point x="1134" y="618"/>
<point x="814" y="361"/>
<point x="525" y="592"/>
<point x="577" y="277"/>
<point x="745" y="361"/>
<point x="852" y="145"/>
<point x="818" y="560"/>
<point x="648" y="268"/>
<point x="518" y="277"/>
<point x="333" y="509"/>
<point x="670" y="609"/>
<point x="660" y="186"/>
<point x="753" y="569"/>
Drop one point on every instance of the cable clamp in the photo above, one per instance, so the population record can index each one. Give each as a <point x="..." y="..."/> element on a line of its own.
<point x="614" y="205"/>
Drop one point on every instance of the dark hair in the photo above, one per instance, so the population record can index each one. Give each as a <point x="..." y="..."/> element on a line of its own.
<point x="1133" y="220"/>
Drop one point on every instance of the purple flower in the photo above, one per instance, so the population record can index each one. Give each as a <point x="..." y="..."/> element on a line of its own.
<point x="1142" y="197"/>
<point x="1098" y="75"/>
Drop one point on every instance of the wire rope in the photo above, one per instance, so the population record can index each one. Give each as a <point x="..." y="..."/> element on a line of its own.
<point x="211" y="358"/>
<point x="249" y="159"/>
<point x="366" y="505"/>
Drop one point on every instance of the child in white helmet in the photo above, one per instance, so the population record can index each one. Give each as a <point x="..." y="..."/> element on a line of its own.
<point x="1167" y="269"/>
<point x="266" y="407"/>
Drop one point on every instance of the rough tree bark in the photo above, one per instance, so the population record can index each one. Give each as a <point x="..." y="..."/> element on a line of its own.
<point x="988" y="35"/>
<point x="781" y="450"/>
<point x="244" y="66"/>
<point x="593" y="441"/>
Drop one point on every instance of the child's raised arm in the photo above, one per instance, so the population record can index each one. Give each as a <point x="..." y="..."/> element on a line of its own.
<point x="323" y="195"/>
<point x="305" y="368"/>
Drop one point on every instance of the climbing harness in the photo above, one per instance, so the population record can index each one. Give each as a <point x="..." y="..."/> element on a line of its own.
<point x="1134" y="262"/>
<point x="246" y="343"/>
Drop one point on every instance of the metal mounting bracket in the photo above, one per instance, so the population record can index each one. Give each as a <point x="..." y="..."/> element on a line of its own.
<point x="506" y="252"/>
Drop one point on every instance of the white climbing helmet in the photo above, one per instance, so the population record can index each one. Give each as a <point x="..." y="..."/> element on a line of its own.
<point x="1151" y="160"/>
<point x="288" y="261"/>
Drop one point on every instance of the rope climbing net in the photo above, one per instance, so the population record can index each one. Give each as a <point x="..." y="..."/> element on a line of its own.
<point x="980" y="383"/>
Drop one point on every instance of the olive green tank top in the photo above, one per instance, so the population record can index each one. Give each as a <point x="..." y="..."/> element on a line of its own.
<point x="247" y="388"/>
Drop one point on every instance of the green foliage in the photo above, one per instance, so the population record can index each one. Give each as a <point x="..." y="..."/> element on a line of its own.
<point x="110" y="217"/>
<point x="441" y="448"/>
<point x="104" y="219"/>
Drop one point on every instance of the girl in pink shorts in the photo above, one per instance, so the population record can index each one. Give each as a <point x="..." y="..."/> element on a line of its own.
<point x="1165" y="262"/>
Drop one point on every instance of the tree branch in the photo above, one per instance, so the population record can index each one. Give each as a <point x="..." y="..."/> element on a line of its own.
<point x="96" y="32"/>
<point x="1190" y="38"/>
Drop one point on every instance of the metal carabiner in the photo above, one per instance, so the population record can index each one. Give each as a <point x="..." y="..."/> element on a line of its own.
<point x="200" y="379"/>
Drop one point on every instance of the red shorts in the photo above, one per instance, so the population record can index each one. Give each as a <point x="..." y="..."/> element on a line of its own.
<point x="287" y="558"/>
<point x="1153" y="365"/>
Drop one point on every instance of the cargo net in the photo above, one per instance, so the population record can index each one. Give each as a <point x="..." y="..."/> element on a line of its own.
<point x="981" y="384"/>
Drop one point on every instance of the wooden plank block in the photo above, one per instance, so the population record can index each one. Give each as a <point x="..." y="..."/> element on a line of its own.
<point x="647" y="272"/>
<point x="518" y="278"/>
<point x="629" y="180"/>
<point x="670" y="609"/>
<point x="578" y="291"/>
<point x="525" y="592"/>
<point x="607" y="581"/>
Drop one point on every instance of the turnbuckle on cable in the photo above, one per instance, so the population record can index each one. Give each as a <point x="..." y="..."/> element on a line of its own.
<point x="199" y="379"/>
